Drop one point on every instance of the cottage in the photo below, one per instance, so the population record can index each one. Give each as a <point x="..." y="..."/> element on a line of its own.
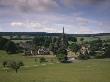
<point x="84" y="50"/>
<point x="43" y="51"/>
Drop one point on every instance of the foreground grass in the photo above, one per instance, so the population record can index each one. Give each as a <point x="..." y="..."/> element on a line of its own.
<point x="95" y="70"/>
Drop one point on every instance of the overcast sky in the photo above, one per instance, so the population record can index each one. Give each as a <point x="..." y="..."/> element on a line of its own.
<point x="77" y="16"/>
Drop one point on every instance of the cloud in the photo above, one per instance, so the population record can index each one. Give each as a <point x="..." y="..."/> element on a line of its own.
<point x="98" y="5"/>
<point x="30" y="5"/>
<point x="17" y="24"/>
<point x="59" y="6"/>
<point x="73" y="23"/>
<point x="77" y="16"/>
<point x="85" y="1"/>
<point x="35" y="26"/>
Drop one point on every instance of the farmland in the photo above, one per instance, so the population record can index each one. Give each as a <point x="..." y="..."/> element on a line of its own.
<point x="93" y="70"/>
<point x="89" y="70"/>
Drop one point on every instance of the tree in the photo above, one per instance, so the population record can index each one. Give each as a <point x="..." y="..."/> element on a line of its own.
<point x="62" y="55"/>
<point x="20" y="63"/>
<point x="73" y="39"/>
<point x="11" y="47"/>
<point x="54" y="39"/>
<point x="3" y="41"/>
<point x="4" y="63"/>
<point x="107" y="51"/>
<point x="47" y="42"/>
<point x="13" y="64"/>
<point x="42" y="59"/>
<point x="96" y="45"/>
<point x="82" y="39"/>
<point x="16" y="65"/>
<point x="51" y="47"/>
<point x="42" y="41"/>
<point x="74" y="47"/>
<point x="56" y="46"/>
<point x="37" y="41"/>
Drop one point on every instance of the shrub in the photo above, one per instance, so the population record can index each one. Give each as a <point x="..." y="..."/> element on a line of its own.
<point x="20" y="63"/>
<point x="42" y="59"/>
<point x="83" y="57"/>
<point x="99" y="56"/>
<point x="62" y="55"/>
<point x="4" y="63"/>
<point x="107" y="52"/>
<point x="13" y="64"/>
<point x="11" y="47"/>
<point x="3" y="41"/>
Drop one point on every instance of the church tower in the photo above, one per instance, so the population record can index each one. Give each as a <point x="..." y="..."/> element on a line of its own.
<point x="63" y="30"/>
<point x="63" y="36"/>
<point x="63" y="39"/>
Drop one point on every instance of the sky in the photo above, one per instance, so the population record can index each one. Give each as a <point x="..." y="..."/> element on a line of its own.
<point x="76" y="16"/>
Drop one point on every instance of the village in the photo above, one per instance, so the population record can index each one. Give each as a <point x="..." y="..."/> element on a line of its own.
<point x="30" y="49"/>
<point x="43" y="54"/>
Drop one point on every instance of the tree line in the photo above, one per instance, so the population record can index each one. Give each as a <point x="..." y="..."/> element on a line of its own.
<point x="96" y="48"/>
<point x="9" y="46"/>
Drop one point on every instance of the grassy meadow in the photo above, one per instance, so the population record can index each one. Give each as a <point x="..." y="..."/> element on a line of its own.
<point x="93" y="70"/>
<point x="93" y="38"/>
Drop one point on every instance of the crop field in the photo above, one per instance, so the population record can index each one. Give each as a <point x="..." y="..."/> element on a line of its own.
<point x="93" y="70"/>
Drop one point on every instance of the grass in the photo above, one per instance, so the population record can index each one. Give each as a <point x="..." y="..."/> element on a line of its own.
<point x="86" y="39"/>
<point x="94" y="38"/>
<point x="94" y="70"/>
<point x="18" y="57"/>
<point x="18" y="41"/>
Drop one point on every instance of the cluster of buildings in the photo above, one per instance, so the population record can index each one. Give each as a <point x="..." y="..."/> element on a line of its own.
<point x="31" y="50"/>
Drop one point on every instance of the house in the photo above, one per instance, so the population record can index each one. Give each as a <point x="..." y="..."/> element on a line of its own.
<point x="84" y="50"/>
<point x="30" y="50"/>
<point x="43" y="51"/>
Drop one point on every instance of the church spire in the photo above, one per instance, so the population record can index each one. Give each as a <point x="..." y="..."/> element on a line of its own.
<point x="63" y="37"/>
<point x="63" y="30"/>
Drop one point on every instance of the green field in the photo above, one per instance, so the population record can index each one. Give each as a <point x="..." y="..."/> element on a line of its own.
<point x="93" y="70"/>
<point x="94" y="38"/>
<point x="18" y="41"/>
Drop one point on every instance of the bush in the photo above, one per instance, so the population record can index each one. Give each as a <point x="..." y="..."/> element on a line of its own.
<point x="13" y="64"/>
<point x="62" y="55"/>
<point x="83" y="57"/>
<point x="74" y="47"/>
<point x="107" y="52"/>
<point x="20" y="63"/>
<point x="3" y="41"/>
<point x="42" y="59"/>
<point x="99" y="57"/>
<point x="4" y="63"/>
<point x="11" y="47"/>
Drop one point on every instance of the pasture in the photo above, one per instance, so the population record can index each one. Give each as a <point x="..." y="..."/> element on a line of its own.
<point x="93" y="70"/>
<point x="94" y="38"/>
